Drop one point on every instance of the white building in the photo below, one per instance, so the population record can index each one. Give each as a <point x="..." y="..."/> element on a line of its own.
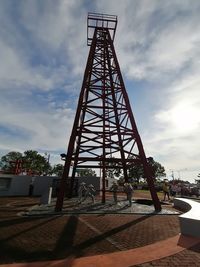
<point x="23" y="185"/>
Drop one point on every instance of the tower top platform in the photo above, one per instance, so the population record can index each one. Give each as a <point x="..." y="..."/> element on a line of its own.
<point x="104" y="21"/>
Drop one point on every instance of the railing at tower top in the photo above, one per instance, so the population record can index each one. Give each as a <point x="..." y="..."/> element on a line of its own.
<point x="105" y="21"/>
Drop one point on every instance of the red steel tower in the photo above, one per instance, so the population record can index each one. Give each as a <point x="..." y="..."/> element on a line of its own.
<point x="104" y="133"/>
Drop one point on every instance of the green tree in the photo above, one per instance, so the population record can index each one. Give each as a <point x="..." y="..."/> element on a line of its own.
<point x="136" y="171"/>
<point x="58" y="170"/>
<point x="35" y="163"/>
<point x="157" y="168"/>
<point x="113" y="171"/>
<point x="7" y="161"/>
<point x="86" y="172"/>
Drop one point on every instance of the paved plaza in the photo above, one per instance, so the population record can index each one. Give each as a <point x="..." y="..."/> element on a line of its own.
<point x="77" y="239"/>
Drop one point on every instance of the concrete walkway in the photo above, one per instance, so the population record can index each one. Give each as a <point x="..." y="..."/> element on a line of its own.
<point x="126" y="258"/>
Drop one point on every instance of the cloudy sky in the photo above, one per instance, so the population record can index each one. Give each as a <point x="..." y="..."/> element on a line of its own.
<point x="43" y="52"/>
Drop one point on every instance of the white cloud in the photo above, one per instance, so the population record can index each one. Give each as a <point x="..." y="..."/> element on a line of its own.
<point x="174" y="136"/>
<point x="40" y="49"/>
<point x="156" y="38"/>
<point x="45" y="128"/>
<point x="15" y="71"/>
<point x="44" y="46"/>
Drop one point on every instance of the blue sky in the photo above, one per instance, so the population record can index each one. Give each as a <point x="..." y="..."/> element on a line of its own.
<point x="43" y="54"/>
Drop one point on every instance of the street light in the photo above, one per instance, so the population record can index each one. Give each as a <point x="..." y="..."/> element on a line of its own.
<point x="172" y="174"/>
<point x="63" y="156"/>
<point x="178" y="171"/>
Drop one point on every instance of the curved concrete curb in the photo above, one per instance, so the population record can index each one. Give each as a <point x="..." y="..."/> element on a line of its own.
<point x="190" y="220"/>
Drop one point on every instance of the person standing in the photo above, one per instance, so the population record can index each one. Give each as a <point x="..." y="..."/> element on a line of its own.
<point x="82" y="192"/>
<point x="128" y="189"/>
<point x="166" y="190"/>
<point x="114" y="189"/>
<point x="90" y="192"/>
<point x="173" y="189"/>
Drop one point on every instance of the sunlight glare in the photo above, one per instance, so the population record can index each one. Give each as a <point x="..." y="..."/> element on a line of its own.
<point x="185" y="117"/>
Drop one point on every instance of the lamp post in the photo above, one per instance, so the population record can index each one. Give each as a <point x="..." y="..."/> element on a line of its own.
<point x="172" y="174"/>
<point x="63" y="156"/>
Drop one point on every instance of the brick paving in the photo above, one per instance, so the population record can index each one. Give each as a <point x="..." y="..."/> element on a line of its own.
<point x="35" y="239"/>
<point x="129" y="230"/>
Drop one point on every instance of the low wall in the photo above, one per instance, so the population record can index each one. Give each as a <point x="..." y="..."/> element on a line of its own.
<point x="189" y="221"/>
<point x="19" y="185"/>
